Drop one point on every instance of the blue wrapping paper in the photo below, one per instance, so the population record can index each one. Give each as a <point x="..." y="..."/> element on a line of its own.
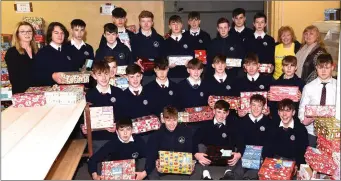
<point x="252" y="157"/>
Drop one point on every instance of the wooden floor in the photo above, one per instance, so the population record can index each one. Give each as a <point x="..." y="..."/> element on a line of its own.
<point x="82" y="171"/>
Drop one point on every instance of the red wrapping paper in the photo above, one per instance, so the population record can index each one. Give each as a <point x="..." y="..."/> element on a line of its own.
<point x="4" y="77"/>
<point x="145" y="124"/>
<point x="233" y="101"/>
<point x="3" y="53"/>
<point x="118" y="170"/>
<point x="147" y="64"/>
<point x="202" y="113"/>
<point x="312" y="111"/>
<point x="282" y="92"/>
<point x="201" y="55"/>
<point x="245" y="101"/>
<point x="328" y="146"/>
<point x="28" y="100"/>
<point x="320" y="161"/>
<point x="276" y="169"/>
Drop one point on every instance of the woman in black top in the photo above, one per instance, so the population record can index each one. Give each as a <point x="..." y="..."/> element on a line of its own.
<point x="20" y="57"/>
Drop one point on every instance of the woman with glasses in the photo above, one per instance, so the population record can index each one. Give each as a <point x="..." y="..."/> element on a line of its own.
<point x="20" y="57"/>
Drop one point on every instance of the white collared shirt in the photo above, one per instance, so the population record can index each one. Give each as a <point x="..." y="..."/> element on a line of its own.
<point x="159" y="82"/>
<point x="192" y="32"/>
<point x="218" y="78"/>
<point x="174" y="37"/>
<point x="138" y="89"/>
<point x="113" y="46"/>
<point x="108" y="90"/>
<point x="121" y="30"/>
<point x="55" y="46"/>
<point x="73" y="42"/>
<point x="253" y="119"/>
<point x="193" y="82"/>
<point x="215" y="121"/>
<point x="240" y="29"/>
<point x="146" y="33"/>
<point x="255" y="77"/>
<point x="261" y="34"/>
<point x="311" y="95"/>
<point x="291" y="124"/>
<point x="131" y="139"/>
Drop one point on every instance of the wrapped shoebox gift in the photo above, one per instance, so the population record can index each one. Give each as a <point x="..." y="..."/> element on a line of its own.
<point x="201" y="55"/>
<point x="101" y="117"/>
<point x="182" y="117"/>
<point x="328" y="146"/>
<point x="176" y="162"/>
<point x="124" y="37"/>
<point x="121" y="70"/>
<point x="75" y="77"/>
<point x="283" y="92"/>
<point x="320" y="176"/>
<point x="118" y="170"/>
<point x="146" y="124"/>
<point x="41" y="89"/>
<point x="147" y="64"/>
<point x="179" y="59"/>
<point x="312" y="111"/>
<point x="233" y="62"/>
<point x="202" y="113"/>
<point x="276" y="169"/>
<point x="3" y="53"/>
<point x="245" y="101"/>
<point x="305" y="172"/>
<point x="336" y="159"/>
<point x="218" y="155"/>
<point x="265" y="68"/>
<point x="232" y="100"/>
<point x="4" y="74"/>
<point x="121" y="82"/>
<point x="28" y="100"/>
<point x="64" y="95"/>
<point x="320" y="161"/>
<point x="6" y="41"/>
<point x="328" y="128"/>
<point x="252" y="157"/>
<point x="6" y="93"/>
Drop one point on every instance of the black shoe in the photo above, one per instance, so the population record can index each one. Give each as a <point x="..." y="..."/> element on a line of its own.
<point x="206" y="178"/>
<point x="228" y="176"/>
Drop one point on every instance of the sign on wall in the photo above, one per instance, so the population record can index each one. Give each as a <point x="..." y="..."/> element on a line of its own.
<point x="23" y="7"/>
<point x="106" y="8"/>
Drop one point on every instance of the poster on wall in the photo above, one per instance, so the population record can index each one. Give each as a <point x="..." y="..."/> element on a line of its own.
<point x="106" y="9"/>
<point x="23" y="7"/>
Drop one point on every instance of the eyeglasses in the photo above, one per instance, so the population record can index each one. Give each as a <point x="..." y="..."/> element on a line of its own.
<point x="25" y="32"/>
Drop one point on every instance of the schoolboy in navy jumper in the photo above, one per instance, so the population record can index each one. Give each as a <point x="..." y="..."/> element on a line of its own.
<point x="255" y="128"/>
<point x="238" y="26"/>
<point x="123" y="146"/>
<point x="79" y="50"/>
<point x="261" y="43"/>
<point x="226" y="45"/>
<point x="54" y="58"/>
<point x="288" y="78"/>
<point x="119" y="18"/>
<point x="289" y="139"/>
<point x="172" y="136"/>
<point x="177" y="44"/>
<point x="161" y="91"/>
<point x="253" y="80"/>
<point x="222" y="132"/>
<point x="199" y="38"/>
<point x="103" y="95"/>
<point x="113" y="47"/>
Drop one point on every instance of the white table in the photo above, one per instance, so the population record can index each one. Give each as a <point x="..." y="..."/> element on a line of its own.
<point x="31" y="138"/>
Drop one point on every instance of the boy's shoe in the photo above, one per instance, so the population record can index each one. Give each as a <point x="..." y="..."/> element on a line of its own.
<point x="206" y="178"/>
<point x="229" y="175"/>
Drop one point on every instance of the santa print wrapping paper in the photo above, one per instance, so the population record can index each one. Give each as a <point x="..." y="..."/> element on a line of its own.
<point x="245" y="101"/>
<point x="145" y="124"/>
<point x="233" y="62"/>
<point x="319" y="111"/>
<point x="101" y="117"/>
<point x="118" y="170"/>
<point x="121" y="70"/>
<point x="320" y="161"/>
<point x="328" y="146"/>
<point x="232" y="100"/>
<point x="75" y="77"/>
<point x="283" y="92"/>
<point x="201" y="55"/>
<point x="265" y="68"/>
<point x="252" y="157"/>
<point x="179" y="60"/>
<point x="276" y="169"/>
<point x="182" y="117"/>
<point x="328" y="128"/>
<point x="176" y="162"/>
<point x="28" y="100"/>
<point x="203" y="113"/>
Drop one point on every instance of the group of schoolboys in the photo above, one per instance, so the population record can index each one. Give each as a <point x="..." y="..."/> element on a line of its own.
<point x="279" y="130"/>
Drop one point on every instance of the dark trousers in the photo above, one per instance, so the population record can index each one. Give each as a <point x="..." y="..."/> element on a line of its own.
<point x="155" y="175"/>
<point x="312" y="140"/>
<point x="218" y="172"/>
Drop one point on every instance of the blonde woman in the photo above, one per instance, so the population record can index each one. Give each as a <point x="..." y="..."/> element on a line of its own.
<point x="20" y="57"/>
<point x="312" y="47"/>
<point x="286" y="45"/>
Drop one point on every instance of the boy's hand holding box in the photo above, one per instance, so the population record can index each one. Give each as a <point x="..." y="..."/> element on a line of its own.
<point x="252" y="157"/>
<point x="118" y="170"/>
<point x="176" y="162"/>
<point x="282" y="92"/>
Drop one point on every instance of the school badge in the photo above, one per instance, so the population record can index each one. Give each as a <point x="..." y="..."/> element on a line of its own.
<point x="145" y="102"/>
<point x="181" y="139"/>
<point x="231" y="48"/>
<point x="262" y="128"/>
<point x="201" y="94"/>
<point x="170" y="92"/>
<point x="185" y="46"/>
<point x="86" y="53"/>
<point x="228" y="87"/>
<point x="224" y="135"/>
<point x="292" y="137"/>
<point x="200" y="41"/>
<point x="113" y="99"/>
<point x="156" y="44"/>
<point x="68" y="57"/>
<point x="121" y="56"/>
<point x="135" y="155"/>
<point x="261" y="86"/>
<point x="265" y="44"/>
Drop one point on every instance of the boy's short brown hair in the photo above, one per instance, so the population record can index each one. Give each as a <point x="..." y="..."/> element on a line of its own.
<point x="286" y="104"/>
<point x="133" y="69"/>
<point x="161" y="63"/>
<point x="146" y="14"/>
<point x="175" y="19"/>
<point x="219" y="59"/>
<point x="324" y="59"/>
<point x="109" y="59"/>
<point x="100" y="67"/>
<point x="195" y="64"/>
<point x="290" y="59"/>
<point x="251" y="58"/>
<point x="170" y="112"/>
<point x="221" y="104"/>
<point x="258" y="98"/>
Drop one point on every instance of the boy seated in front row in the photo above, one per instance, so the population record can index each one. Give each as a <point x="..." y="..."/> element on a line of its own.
<point x="219" y="132"/>
<point x="162" y="91"/>
<point x="255" y="128"/>
<point x="123" y="146"/>
<point x="103" y="95"/>
<point x="172" y="136"/>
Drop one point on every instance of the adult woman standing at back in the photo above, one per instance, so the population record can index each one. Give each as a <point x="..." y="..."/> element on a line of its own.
<point x="20" y="57"/>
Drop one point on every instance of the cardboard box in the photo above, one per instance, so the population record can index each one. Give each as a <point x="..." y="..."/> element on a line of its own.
<point x="233" y="62"/>
<point x="313" y="111"/>
<point x="319" y="161"/>
<point x="28" y="100"/>
<point x="182" y="117"/>
<point x="201" y="55"/>
<point x="121" y="70"/>
<point x="276" y="169"/>
<point x="179" y="60"/>
<point x="176" y="162"/>
<point x="146" y="124"/>
<point x="232" y="100"/>
<point x="252" y="157"/>
<point x="118" y="170"/>
<point x="245" y="101"/>
<point x="75" y="77"/>
<point x="265" y="68"/>
<point x="101" y="117"/>
<point x="202" y="113"/>
<point x="283" y="92"/>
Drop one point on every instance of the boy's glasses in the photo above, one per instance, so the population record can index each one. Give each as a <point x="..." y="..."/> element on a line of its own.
<point x="26" y="32"/>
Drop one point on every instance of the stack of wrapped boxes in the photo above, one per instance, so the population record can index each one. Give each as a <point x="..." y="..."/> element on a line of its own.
<point x="38" y="25"/>
<point x="6" y="89"/>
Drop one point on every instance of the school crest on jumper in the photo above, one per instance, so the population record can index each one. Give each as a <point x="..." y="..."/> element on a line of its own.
<point x="145" y="102"/>
<point x="201" y="94"/>
<point x="261" y="86"/>
<point x="86" y="53"/>
<point x="228" y="87"/>
<point x="68" y="57"/>
<point x="200" y="41"/>
<point x="185" y="46"/>
<point x="265" y="44"/>
<point x="121" y="56"/>
<point x="292" y="137"/>
<point x="156" y="44"/>
<point x="231" y="48"/>
<point x="113" y="99"/>
<point x="135" y="155"/>
<point x="181" y="139"/>
<point x="224" y="135"/>
<point x="170" y="92"/>
<point x="262" y="128"/>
